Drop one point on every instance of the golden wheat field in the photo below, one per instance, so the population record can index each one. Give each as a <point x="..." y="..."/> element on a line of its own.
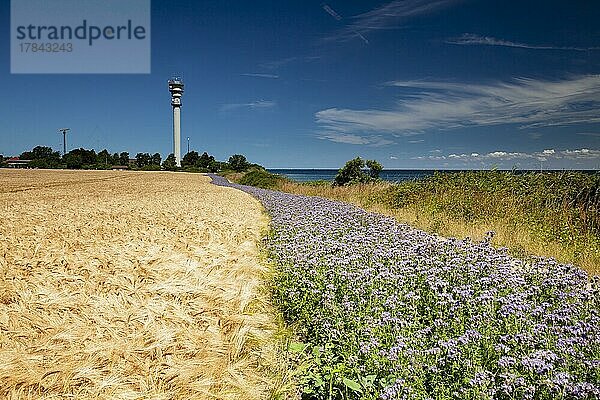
<point x="125" y="285"/>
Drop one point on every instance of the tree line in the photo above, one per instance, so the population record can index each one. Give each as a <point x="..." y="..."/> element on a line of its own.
<point x="45" y="157"/>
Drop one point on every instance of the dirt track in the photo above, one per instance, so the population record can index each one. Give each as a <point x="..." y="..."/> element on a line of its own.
<point x="128" y="285"/>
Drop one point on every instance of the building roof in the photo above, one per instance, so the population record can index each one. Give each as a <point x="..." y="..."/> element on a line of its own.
<point x="17" y="160"/>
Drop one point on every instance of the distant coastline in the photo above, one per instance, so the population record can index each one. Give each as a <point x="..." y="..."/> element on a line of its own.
<point x="390" y="175"/>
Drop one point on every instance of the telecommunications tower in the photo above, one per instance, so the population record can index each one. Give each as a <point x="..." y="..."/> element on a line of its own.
<point x="176" y="89"/>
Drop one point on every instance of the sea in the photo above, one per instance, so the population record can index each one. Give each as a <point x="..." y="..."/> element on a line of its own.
<point x="390" y="175"/>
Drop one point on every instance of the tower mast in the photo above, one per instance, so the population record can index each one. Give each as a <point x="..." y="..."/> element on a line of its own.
<point x="176" y="89"/>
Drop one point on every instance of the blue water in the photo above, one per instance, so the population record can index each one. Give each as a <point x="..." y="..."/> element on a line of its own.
<point x="391" y="175"/>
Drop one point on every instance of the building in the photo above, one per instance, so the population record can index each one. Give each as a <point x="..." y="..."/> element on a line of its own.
<point x="16" y="162"/>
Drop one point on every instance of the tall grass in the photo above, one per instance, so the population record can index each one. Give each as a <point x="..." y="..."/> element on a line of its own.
<point x="552" y="214"/>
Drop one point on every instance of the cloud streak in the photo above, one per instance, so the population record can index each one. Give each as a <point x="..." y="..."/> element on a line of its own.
<point x="254" y="105"/>
<point x="338" y="17"/>
<point x="258" y="75"/>
<point x="345" y="138"/>
<point x="390" y="15"/>
<point x="437" y="105"/>
<point x="470" y="39"/>
<point x="332" y="12"/>
<point x="276" y="64"/>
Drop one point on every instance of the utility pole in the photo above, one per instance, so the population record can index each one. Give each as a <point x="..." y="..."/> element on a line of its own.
<point x="64" y="132"/>
<point x="188" y="145"/>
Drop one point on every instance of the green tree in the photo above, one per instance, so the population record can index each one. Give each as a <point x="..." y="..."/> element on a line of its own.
<point x="88" y="156"/>
<point x="104" y="158"/>
<point x="124" y="158"/>
<point x="374" y="168"/>
<point x="169" y="163"/>
<point x="353" y="172"/>
<point x="190" y="159"/>
<point x="214" y="166"/>
<point x="143" y="159"/>
<point x="115" y="159"/>
<point x="350" y="173"/>
<point x="26" y="155"/>
<point x="40" y="153"/>
<point x="238" y="163"/>
<point x="73" y="160"/>
<point x="80" y="158"/>
<point x="42" y="157"/>
<point x="156" y="158"/>
<point x="205" y="160"/>
<point x="44" y="153"/>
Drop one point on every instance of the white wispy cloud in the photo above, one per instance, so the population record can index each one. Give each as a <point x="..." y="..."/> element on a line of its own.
<point x="277" y="64"/>
<point x="338" y="17"/>
<point x="581" y="153"/>
<point x="254" y="105"/>
<point x="470" y="39"/>
<point x="544" y="155"/>
<point x="390" y="15"/>
<point x="348" y="138"/>
<point x="259" y="75"/>
<point x="425" y="105"/>
<point x="331" y="12"/>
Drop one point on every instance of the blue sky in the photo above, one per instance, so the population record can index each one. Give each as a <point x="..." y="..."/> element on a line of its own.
<point x="411" y="83"/>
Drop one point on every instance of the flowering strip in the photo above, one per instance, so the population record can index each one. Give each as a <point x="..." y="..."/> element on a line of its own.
<point x="391" y="312"/>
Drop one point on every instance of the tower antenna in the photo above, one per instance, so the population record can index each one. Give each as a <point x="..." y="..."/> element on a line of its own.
<point x="64" y="132"/>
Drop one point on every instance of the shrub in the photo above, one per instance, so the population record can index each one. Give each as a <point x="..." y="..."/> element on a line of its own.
<point x="260" y="178"/>
<point x="353" y="172"/>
